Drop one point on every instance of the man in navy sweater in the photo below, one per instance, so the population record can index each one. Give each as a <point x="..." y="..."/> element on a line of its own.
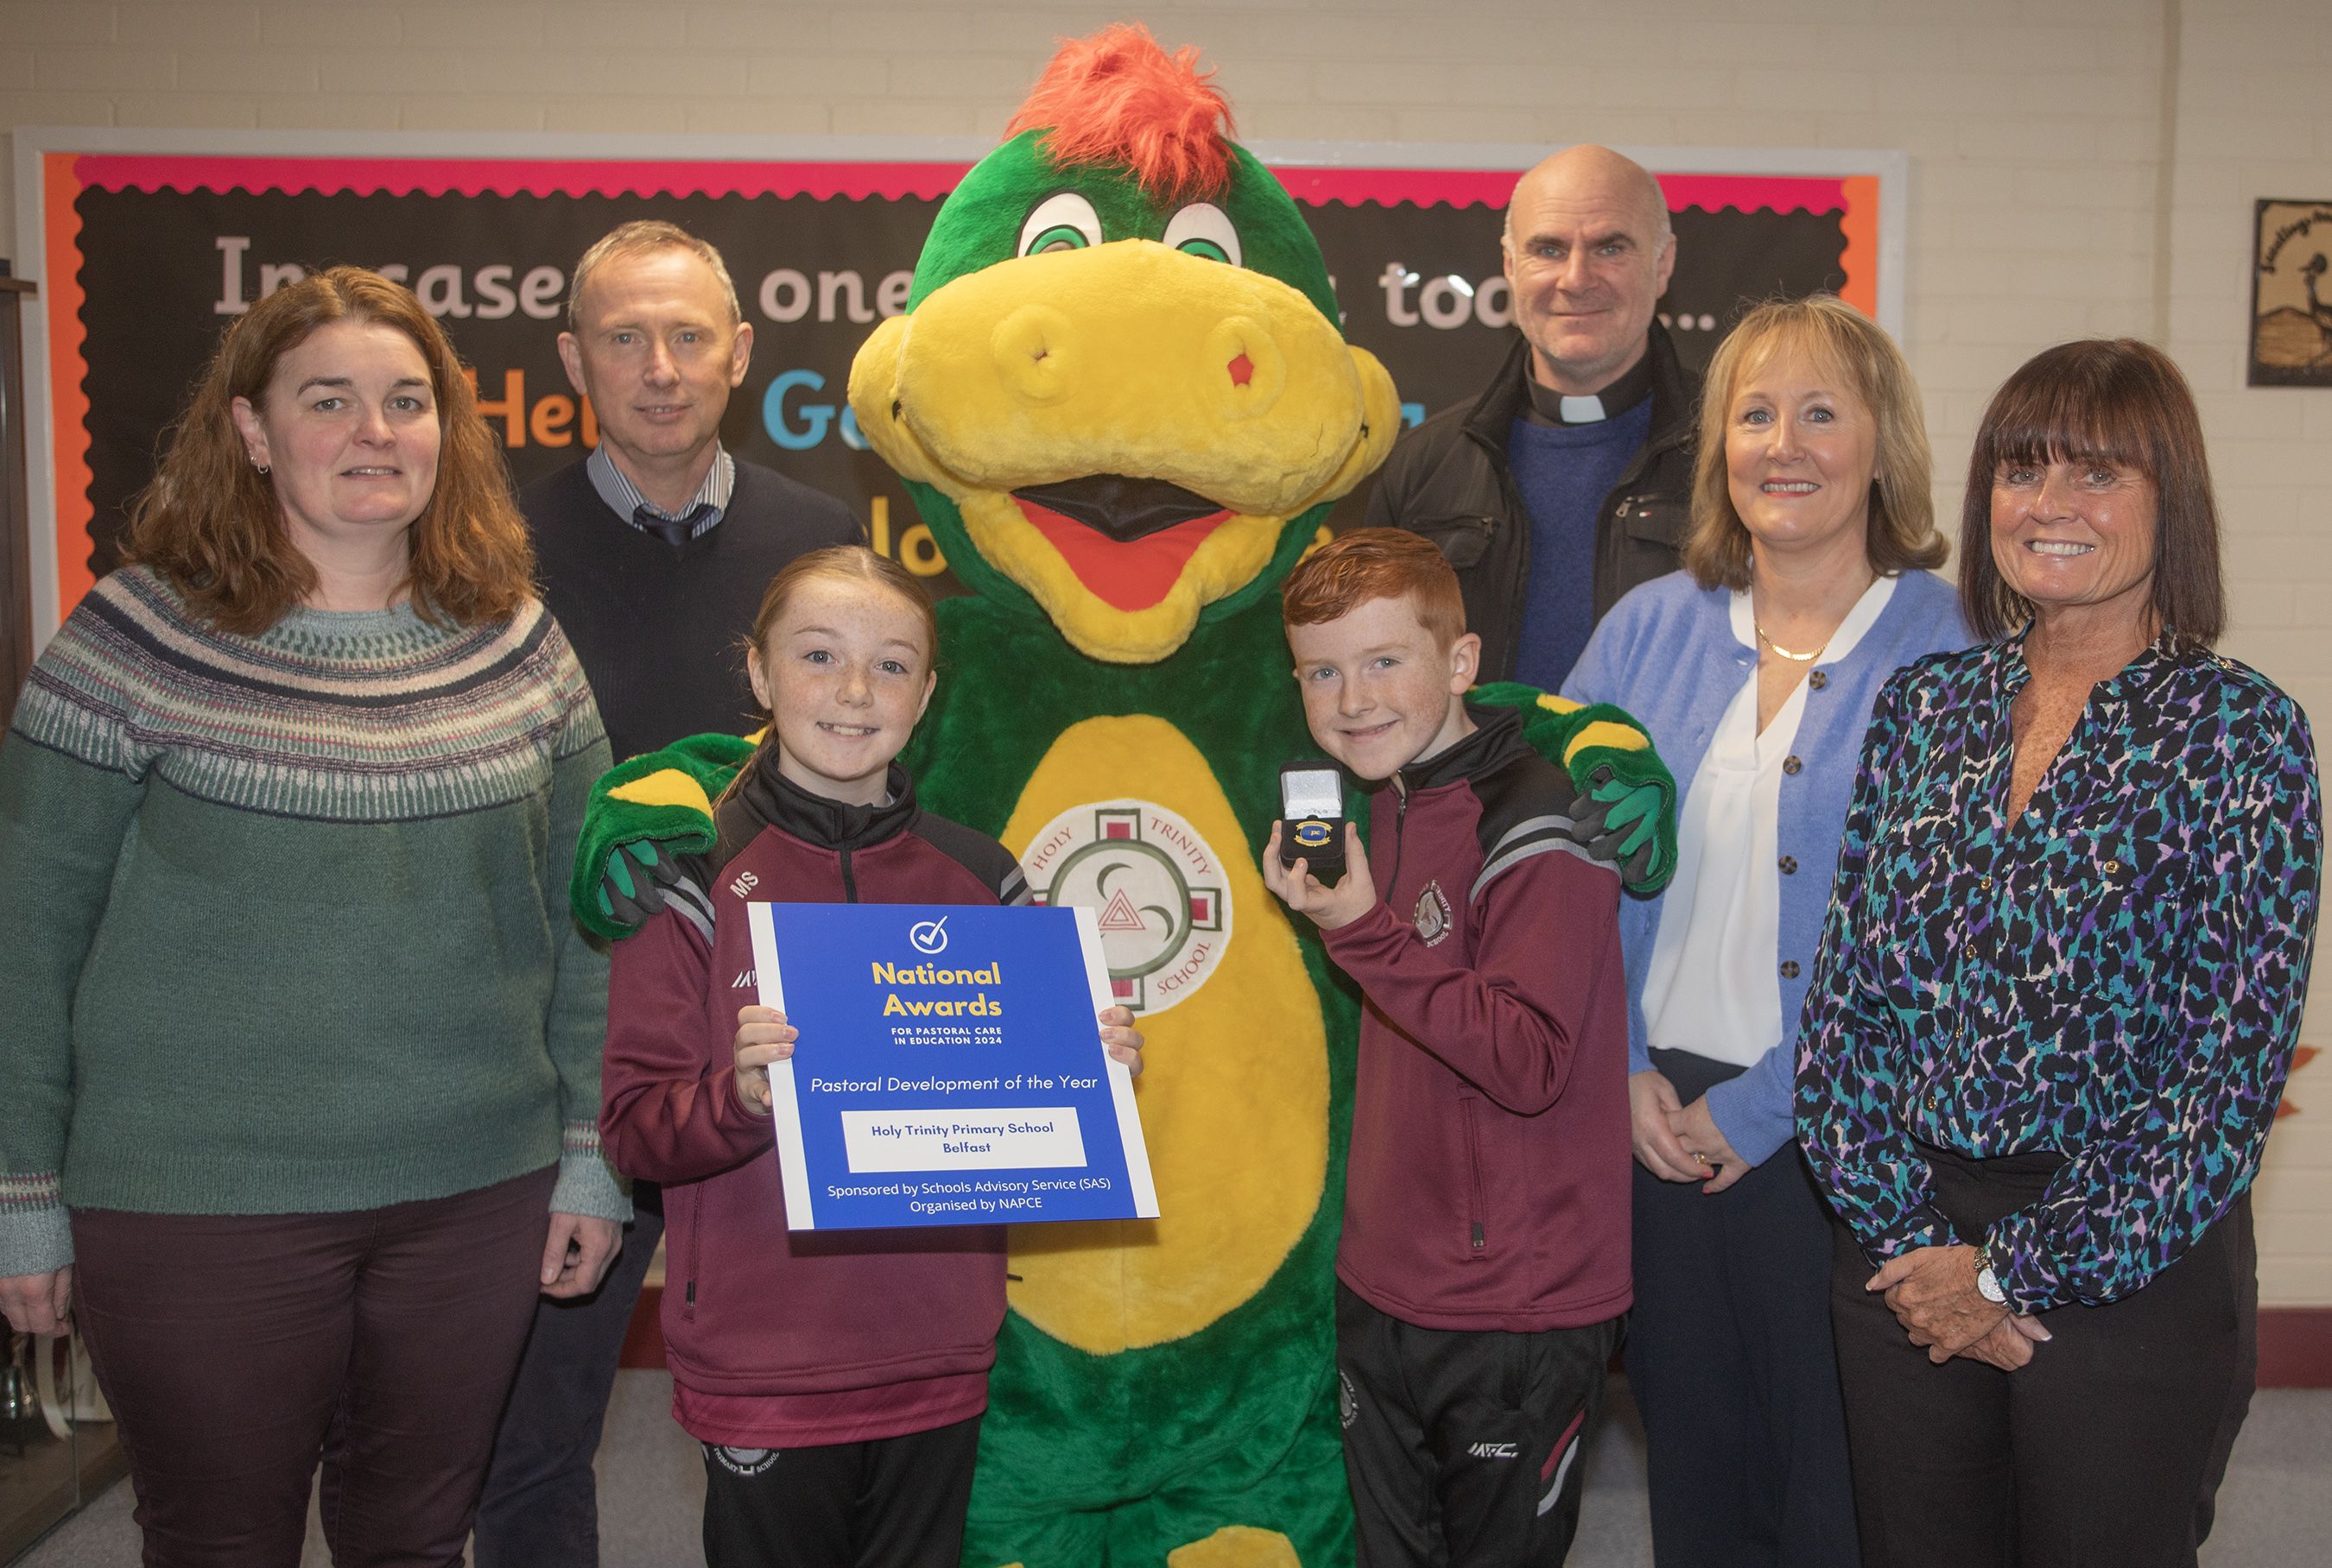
<point x="653" y="553"/>
<point x="1569" y="481"/>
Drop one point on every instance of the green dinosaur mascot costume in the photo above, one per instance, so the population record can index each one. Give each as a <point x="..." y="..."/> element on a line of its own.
<point x="1123" y="404"/>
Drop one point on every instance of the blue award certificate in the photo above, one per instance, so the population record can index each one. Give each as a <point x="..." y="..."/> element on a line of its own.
<point x="950" y="1070"/>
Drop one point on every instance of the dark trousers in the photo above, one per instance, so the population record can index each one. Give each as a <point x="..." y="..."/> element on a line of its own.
<point x="894" y="1503"/>
<point x="1729" y="1359"/>
<point x="236" y="1350"/>
<point x="541" y="1503"/>
<point x="2104" y="1451"/>
<point x="1463" y="1447"/>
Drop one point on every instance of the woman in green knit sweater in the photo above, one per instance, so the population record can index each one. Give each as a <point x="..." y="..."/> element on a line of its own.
<point x="302" y="1046"/>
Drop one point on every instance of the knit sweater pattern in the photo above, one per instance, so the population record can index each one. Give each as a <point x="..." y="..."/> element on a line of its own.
<point x="294" y="937"/>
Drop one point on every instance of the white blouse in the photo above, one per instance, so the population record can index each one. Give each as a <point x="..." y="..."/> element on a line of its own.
<point x="1713" y="988"/>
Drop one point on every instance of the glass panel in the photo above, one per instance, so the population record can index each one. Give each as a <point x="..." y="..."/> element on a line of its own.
<point x="57" y="1447"/>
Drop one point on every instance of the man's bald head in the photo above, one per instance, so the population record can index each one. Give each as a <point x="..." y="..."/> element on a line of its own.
<point x="1589" y="172"/>
<point x="1587" y="253"/>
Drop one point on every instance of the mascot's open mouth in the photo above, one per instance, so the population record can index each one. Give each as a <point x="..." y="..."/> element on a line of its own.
<point x="1127" y="539"/>
<point x="1122" y="508"/>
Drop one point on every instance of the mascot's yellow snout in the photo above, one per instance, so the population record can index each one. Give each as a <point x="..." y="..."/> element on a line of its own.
<point x="1124" y="501"/>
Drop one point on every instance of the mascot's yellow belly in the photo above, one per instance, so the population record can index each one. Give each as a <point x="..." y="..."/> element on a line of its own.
<point x="1234" y="1089"/>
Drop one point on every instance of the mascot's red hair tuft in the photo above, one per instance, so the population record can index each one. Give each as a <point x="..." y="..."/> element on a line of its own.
<point x="1118" y="98"/>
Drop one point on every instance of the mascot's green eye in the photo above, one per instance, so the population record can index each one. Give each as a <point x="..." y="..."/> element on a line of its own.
<point x="1063" y="221"/>
<point x="1204" y="229"/>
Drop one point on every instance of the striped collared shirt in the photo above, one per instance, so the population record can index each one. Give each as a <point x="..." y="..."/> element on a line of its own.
<point x="623" y="499"/>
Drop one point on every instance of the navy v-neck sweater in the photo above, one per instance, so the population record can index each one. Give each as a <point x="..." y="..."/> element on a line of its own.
<point x="660" y="628"/>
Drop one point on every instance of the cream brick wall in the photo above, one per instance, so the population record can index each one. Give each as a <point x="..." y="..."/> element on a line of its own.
<point x="2254" y="119"/>
<point x="2078" y="166"/>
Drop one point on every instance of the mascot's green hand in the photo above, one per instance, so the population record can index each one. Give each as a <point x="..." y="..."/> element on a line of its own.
<point x="1622" y="824"/>
<point x="1626" y="813"/>
<point x="631" y="888"/>
<point x="1625" y="809"/>
<point x="643" y="815"/>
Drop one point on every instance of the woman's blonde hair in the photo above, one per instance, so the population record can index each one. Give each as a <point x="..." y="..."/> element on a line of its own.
<point x="1901" y="533"/>
<point x="210" y="522"/>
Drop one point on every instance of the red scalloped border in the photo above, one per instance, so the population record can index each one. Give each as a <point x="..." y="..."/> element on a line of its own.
<point x="856" y="181"/>
<point x="1491" y="188"/>
<point x="519" y="176"/>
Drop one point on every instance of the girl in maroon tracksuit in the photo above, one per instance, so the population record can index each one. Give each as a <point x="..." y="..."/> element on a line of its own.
<point x="837" y="1381"/>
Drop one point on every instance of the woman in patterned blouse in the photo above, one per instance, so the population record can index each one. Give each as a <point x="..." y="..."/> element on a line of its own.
<point x="2056" y="998"/>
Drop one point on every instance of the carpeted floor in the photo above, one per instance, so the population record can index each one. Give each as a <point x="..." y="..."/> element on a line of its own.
<point x="2274" y="1511"/>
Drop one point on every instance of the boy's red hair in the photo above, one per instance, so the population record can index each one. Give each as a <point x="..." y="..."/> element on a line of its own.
<point x="1118" y="98"/>
<point x="1366" y="564"/>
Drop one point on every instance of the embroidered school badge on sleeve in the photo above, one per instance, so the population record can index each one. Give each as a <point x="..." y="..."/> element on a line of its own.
<point x="1432" y="917"/>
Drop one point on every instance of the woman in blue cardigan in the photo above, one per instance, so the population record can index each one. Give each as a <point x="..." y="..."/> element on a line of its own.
<point x="1754" y="670"/>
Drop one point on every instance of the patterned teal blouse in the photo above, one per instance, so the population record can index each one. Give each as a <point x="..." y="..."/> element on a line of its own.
<point x="2117" y="976"/>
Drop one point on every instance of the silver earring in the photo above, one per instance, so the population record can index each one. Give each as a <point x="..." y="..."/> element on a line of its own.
<point x="262" y="467"/>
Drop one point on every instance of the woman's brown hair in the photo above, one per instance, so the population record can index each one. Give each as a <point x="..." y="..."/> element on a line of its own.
<point x="843" y="563"/>
<point x="210" y="522"/>
<point x="1900" y="535"/>
<point x="2123" y="403"/>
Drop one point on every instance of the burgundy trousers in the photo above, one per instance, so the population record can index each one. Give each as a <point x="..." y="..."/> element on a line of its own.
<point x="239" y="1350"/>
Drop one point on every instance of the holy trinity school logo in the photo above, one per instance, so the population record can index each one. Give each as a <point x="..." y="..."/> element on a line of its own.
<point x="1155" y="885"/>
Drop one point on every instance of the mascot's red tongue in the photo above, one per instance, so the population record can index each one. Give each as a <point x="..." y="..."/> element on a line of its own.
<point x="1133" y="575"/>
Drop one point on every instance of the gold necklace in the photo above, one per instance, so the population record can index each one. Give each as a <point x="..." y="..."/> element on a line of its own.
<point x="1792" y="658"/>
<point x="1766" y="638"/>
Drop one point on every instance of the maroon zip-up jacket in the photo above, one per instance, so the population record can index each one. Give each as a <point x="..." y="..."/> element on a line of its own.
<point x="1487" y="1186"/>
<point x="779" y="1338"/>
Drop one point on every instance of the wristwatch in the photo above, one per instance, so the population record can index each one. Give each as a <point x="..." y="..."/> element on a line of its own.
<point x="1987" y="1283"/>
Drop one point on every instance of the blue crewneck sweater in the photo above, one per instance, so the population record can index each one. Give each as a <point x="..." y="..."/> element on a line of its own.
<point x="1564" y="472"/>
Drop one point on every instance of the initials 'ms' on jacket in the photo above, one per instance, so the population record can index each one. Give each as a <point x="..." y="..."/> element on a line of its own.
<point x="1487" y="1186"/>
<point x="779" y="1338"/>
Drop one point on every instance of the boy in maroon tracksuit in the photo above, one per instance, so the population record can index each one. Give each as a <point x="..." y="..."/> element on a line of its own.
<point x="1483" y="1271"/>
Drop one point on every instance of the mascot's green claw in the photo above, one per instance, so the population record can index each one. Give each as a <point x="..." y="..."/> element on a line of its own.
<point x="1633" y="813"/>
<point x="643" y="812"/>
<point x="1631" y="785"/>
<point x="1637" y="804"/>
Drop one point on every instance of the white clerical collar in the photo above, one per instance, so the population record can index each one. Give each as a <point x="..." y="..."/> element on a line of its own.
<point x="1622" y="395"/>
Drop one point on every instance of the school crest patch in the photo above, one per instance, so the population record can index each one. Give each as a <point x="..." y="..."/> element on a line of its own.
<point x="741" y="1461"/>
<point x="1432" y="917"/>
<point x="1157" y="886"/>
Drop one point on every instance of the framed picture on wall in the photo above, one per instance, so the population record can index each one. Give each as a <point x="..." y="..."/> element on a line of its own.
<point x="2292" y="294"/>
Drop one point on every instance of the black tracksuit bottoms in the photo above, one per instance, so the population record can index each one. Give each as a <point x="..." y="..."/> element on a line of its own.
<point x="893" y="1503"/>
<point x="1463" y="1447"/>
<point x="2105" y="1450"/>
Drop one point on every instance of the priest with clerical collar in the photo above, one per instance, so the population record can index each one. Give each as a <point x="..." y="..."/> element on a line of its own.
<point x="1567" y="482"/>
